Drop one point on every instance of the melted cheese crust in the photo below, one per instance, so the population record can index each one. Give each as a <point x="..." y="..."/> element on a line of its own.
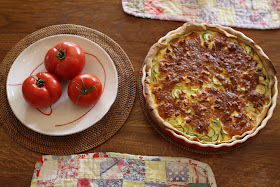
<point x="208" y="85"/>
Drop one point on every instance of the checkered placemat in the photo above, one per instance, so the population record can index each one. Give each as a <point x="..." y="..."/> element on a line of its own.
<point x="117" y="169"/>
<point x="257" y="14"/>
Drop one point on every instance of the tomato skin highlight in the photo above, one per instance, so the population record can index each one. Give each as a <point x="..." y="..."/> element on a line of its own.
<point x="43" y="96"/>
<point x="70" y="66"/>
<point x="85" y="81"/>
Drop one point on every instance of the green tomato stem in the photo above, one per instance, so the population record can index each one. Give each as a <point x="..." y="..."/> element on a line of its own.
<point x="83" y="89"/>
<point x="61" y="54"/>
<point x="39" y="82"/>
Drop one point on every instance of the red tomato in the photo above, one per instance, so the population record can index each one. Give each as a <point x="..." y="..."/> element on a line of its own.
<point x="85" y="89"/>
<point x="66" y="60"/>
<point x="41" y="90"/>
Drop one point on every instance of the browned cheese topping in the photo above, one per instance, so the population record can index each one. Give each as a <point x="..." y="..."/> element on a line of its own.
<point x="219" y="77"/>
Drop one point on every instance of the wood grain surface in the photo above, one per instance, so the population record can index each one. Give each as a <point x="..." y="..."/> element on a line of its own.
<point x="254" y="164"/>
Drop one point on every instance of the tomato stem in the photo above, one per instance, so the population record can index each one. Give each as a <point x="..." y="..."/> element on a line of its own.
<point x="61" y="54"/>
<point x="39" y="82"/>
<point x="83" y="89"/>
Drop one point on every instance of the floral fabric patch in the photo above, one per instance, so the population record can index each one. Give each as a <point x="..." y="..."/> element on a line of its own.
<point x="120" y="170"/>
<point x="256" y="14"/>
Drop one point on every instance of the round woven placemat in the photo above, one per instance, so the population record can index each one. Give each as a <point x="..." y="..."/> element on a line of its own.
<point x="166" y="136"/>
<point x="94" y="135"/>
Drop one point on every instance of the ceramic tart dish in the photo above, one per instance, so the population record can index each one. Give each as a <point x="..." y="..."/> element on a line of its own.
<point x="208" y="86"/>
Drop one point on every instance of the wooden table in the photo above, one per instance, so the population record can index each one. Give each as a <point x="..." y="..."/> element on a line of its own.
<point x="254" y="164"/>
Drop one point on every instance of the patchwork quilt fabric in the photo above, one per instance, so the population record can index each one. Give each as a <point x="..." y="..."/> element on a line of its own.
<point x="259" y="14"/>
<point x="117" y="169"/>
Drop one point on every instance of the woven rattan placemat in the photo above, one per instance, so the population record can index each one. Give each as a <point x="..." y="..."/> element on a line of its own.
<point x="166" y="136"/>
<point x="96" y="134"/>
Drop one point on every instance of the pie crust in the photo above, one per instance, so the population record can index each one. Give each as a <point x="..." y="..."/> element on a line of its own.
<point x="229" y="33"/>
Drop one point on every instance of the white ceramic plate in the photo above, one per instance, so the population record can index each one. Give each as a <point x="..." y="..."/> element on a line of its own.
<point x="64" y="117"/>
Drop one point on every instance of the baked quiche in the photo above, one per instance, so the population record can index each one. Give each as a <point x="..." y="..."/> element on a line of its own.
<point x="208" y="83"/>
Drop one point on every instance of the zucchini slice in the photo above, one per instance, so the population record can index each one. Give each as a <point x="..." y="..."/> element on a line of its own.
<point x="193" y="89"/>
<point x="211" y="132"/>
<point x="190" y="110"/>
<point x="224" y="134"/>
<point x="175" y="93"/>
<point x="205" y="36"/>
<point x="248" y="49"/>
<point x="180" y="85"/>
<point x="215" y="137"/>
<point x="180" y="128"/>
<point x="216" y="121"/>
<point x="192" y="134"/>
<point x="190" y="131"/>
<point x="173" y="121"/>
<point x="250" y="108"/>
<point x="260" y="89"/>
<point x="205" y="138"/>
<point x="263" y="81"/>
<point x="155" y="72"/>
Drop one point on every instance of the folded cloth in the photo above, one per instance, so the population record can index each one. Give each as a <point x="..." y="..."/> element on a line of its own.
<point x="117" y="169"/>
<point x="258" y="14"/>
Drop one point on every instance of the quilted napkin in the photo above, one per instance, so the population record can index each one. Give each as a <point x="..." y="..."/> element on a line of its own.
<point x="258" y="14"/>
<point x="117" y="169"/>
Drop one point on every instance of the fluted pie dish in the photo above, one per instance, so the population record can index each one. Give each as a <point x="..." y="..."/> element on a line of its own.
<point x="209" y="86"/>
